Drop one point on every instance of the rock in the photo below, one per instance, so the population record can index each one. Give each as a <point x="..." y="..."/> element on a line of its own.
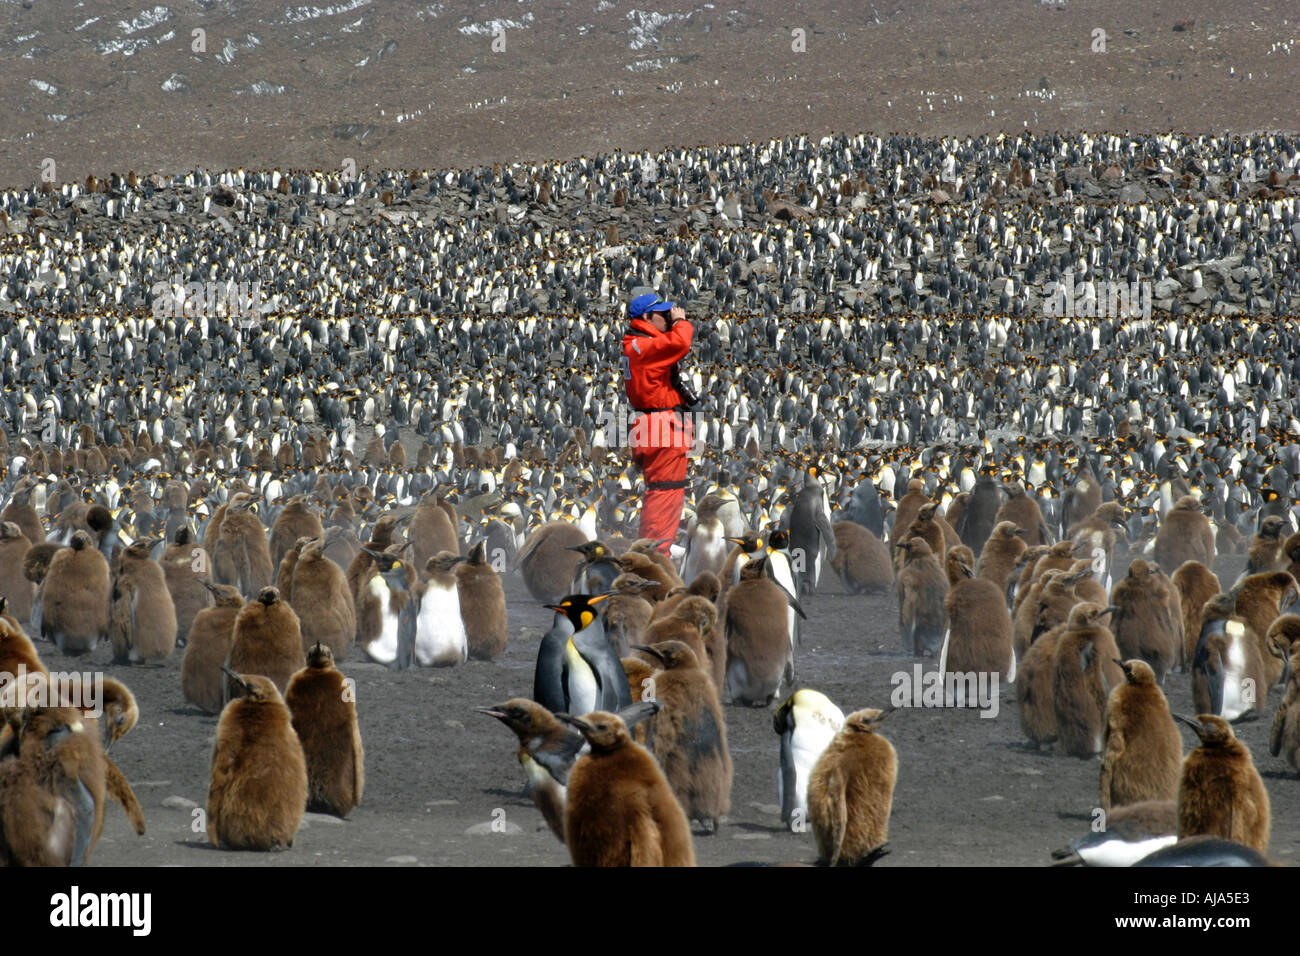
<point x="401" y="859"/>
<point x="1167" y="288"/>
<point x="786" y="211"/>
<point x="178" y="803"/>
<point x="1132" y="192"/>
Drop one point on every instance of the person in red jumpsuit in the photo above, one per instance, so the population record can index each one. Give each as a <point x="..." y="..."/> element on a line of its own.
<point x="658" y="336"/>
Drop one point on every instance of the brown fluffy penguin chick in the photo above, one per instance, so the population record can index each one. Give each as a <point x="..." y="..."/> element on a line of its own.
<point x="676" y="629"/>
<point x="922" y="587"/>
<point x="1024" y="513"/>
<point x="482" y="605"/>
<point x="925" y="525"/>
<point x="1000" y="555"/>
<point x="53" y="790"/>
<point x="1260" y="599"/>
<point x="1290" y="550"/>
<point x="20" y="511"/>
<point x="1284" y="737"/>
<point x="547" y="749"/>
<point x="284" y="571"/>
<point x="645" y="566"/>
<point x="1046" y="605"/>
<point x="620" y="809"/>
<point x="185" y="568"/>
<point x="978" y="638"/>
<point x="321" y="599"/>
<point x="908" y="507"/>
<point x="1220" y="792"/>
<point x="1035" y="675"/>
<point x="211" y="637"/>
<point x="759" y="652"/>
<point x="1195" y="584"/>
<point x="1265" y="552"/>
<point x="241" y="556"/>
<point x="432" y="530"/>
<point x="1143" y="754"/>
<point x="1084" y="671"/>
<point x="546" y="562"/>
<point x="861" y="559"/>
<point x="1146" y="622"/>
<point x="1059" y="557"/>
<point x="689" y="736"/>
<point x="295" y="521"/>
<point x="706" y="585"/>
<point x="703" y="615"/>
<point x="75" y="596"/>
<point x="851" y="791"/>
<point x="323" y="710"/>
<point x="14" y="585"/>
<point x="627" y="613"/>
<point x="258" y="792"/>
<point x="144" y="615"/>
<point x="1184" y="535"/>
<point x="267" y="640"/>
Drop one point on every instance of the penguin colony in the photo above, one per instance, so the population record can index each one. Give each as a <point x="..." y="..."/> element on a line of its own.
<point x="415" y="412"/>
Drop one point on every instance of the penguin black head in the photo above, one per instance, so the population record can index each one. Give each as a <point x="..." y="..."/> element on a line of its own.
<point x="268" y="595"/>
<point x="1213" y="730"/>
<point x="80" y="541"/>
<point x="593" y="550"/>
<point x="253" y="687"/>
<point x="579" y="609"/>
<point x="320" y="656"/>
<point x="1137" y="671"/>
<point x="603" y="730"/>
<point x="670" y="654"/>
<point x="866" y="721"/>
<point x="525" y="717"/>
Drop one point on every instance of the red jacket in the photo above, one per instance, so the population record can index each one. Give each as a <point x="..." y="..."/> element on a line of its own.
<point x="648" y="362"/>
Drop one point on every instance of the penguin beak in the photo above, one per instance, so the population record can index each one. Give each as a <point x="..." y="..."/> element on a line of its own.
<point x="579" y="549"/>
<point x="1111" y="609"/>
<point x="237" y="679"/>
<point x="494" y="711"/>
<point x="648" y="650"/>
<point x="597" y="598"/>
<point x="1189" y="721"/>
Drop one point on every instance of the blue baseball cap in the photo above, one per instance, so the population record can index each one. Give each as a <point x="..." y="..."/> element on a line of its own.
<point x="648" y="302"/>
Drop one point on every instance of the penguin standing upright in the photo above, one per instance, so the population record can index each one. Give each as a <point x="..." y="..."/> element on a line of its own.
<point x="391" y="605"/>
<point x="706" y="540"/>
<point x="267" y="640"/>
<point x="1184" y="535"/>
<point x="74" y="597"/>
<point x="1084" y="671"/>
<point x="812" y="539"/>
<point x="1220" y="792"/>
<point x="241" y="556"/>
<point x="323" y="711"/>
<point x="1147" y="622"/>
<point x="1227" y="666"/>
<point x="548" y="562"/>
<point x="861" y="559"/>
<point x="482" y="605"/>
<point x="439" y="629"/>
<point x="591" y="673"/>
<point x="211" y="636"/>
<point x="598" y="569"/>
<point x="781" y="569"/>
<point x="851" y="792"/>
<point x="922" y="588"/>
<point x="1143" y="751"/>
<point x="186" y="575"/>
<point x="978" y="636"/>
<point x="319" y="595"/>
<point x="981" y="511"/>
<point x="17" y="590"/>
<point x="760" y="652"/>
<point x="143" y="616"/>
<point x="806" y="723"/>
<point x="620" y="809"/>
<point x="1195" y="584"/>
<point x="258" y="792"/>
<point x="689" y="736"/>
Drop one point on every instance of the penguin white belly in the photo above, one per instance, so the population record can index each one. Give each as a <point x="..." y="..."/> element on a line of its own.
<point x="806" y="747"/>
<point x="943" y="653"/>
<point x="1123" y="853"/>
<point x="1235" y="701"/>
<point x="383" y="649"/>
<point x="580" y="680"/>
<point x="439" y="629"/>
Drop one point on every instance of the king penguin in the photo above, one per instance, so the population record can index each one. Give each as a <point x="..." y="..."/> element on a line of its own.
<point x="592" y="674"/>
<point x="806" y="723"/>
<point x="811" y="536"/>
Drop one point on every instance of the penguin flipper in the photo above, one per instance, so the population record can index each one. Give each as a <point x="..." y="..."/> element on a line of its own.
<point x="560" y="761"/>
<point x="787" y="778"/>
<point x="120" y="790"/>
<point x="638" y="712"/>
<point x="82" y="805"/>
<point x="1086" y="655"/>
<point x="827" y="534"/>
<point x="646" y="848"/>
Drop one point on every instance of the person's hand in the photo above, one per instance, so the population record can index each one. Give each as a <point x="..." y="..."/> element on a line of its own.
<point x="677" y="313"/>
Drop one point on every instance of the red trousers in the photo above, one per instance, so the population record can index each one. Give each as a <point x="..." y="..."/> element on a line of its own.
<point x="660" y="441"/>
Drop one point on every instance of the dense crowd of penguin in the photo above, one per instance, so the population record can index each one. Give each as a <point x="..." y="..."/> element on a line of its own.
<point x="427" y="398"/>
